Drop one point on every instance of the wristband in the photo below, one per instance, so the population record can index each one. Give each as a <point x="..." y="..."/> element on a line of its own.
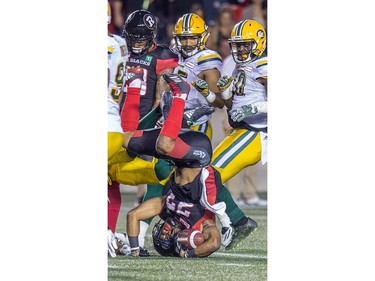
<point x="226" y="94"/>
<point x="261" y="106"/>
<point x="210" y="97"/>
<point x="190" y="254"/>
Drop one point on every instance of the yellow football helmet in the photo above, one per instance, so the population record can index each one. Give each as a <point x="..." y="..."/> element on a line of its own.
<point x="190" y="25"/>
<point x="109" y="13"/>
<point x="247" y="41"/>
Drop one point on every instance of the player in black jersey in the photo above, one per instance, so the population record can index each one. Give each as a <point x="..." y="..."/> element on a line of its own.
<point x="190" y="196"/>
<point x="139" y="32"/>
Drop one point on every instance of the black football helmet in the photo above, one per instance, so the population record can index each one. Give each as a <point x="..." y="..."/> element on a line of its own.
<point x="163" y="235"/>
<point x="139" y="26"/>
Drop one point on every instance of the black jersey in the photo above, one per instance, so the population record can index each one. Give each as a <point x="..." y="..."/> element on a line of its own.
<point x="153" y="61"/>
<point x="184" y="202"/>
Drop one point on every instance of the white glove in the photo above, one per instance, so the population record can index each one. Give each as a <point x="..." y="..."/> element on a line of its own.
<point x="242" y="112"/>
<point x="112" y="245"/>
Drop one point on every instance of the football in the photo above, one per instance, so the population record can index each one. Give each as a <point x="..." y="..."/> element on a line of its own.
<point x="190" y="238"/>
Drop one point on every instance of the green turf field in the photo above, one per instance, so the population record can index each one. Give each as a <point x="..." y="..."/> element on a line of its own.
<point x="247" y="262"/>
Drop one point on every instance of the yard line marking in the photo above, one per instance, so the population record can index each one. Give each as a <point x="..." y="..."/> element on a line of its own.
<point x="236" y="264"/>
<point x="113" y="266"/>
<point x="240" y="255"/>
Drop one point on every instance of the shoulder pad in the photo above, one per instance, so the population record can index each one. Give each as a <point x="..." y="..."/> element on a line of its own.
<point x="208" y="55"/>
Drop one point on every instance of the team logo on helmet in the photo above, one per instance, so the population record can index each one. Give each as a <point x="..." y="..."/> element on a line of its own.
<point x="260" y="33"/>
<point x="149" y="22"/>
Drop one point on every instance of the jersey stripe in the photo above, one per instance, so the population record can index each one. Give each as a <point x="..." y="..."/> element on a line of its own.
<point x="111" y="49"/>
<point x="261" y="63"/>
<point x="210" y="57"/>
<point x="163" y="64"/>
<point x="237" y="146"/>
<point x="211" y="188"/>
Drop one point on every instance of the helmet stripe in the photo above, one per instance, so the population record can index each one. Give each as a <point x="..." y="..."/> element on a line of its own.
<point x="240" y="28"/>
<point x="186" y="23"/>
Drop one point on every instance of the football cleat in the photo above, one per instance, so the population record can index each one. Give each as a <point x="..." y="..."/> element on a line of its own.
<point x="143" y="252"/>
<point x="241" y="232"/>
<point x="166" y="103"/>
<point x="178" y="86"/>
<point x="226" y="235"/>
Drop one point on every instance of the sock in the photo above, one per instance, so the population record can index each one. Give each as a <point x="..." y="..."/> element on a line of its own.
<point x="143" y="226"/>
<point x="130" y="110"/>
<point x="172" y="125"/>
<point x="162" y="169"/>
<point x="114" y="204"/>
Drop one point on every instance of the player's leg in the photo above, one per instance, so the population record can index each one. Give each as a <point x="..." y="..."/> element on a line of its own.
<point x="114" y="204"/>
<point x="237" y="151"/>
<point x="234" y="153"/>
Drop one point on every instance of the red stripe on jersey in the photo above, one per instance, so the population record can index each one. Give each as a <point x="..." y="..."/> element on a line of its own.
<point x="211" y="188"/>
<point x="137" y="134"/>
<point x="165" y="64"/>
<point x="208" y="215"/>
<point x="179" y="150"/>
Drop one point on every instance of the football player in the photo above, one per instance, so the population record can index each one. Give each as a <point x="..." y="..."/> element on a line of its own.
<point x="190" y="193"/>
<point x="139" y="32"/>
<point x="198" y="62"/>
<point x="246" y="101"/>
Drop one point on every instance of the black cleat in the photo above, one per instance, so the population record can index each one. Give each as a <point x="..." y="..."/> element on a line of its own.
<point x="143" y="252"/>
<point x="241" y="232"/>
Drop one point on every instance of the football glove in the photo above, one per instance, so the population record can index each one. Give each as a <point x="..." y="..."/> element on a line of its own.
<point x="201" y="86"/>
<point x="192" y="115"/>
<point x="242" y="112"/>
<point x="134" y="77"/>
<point x="112" y="245"/>
<point x="224" y="86"/>
<point x="224" y="82"/>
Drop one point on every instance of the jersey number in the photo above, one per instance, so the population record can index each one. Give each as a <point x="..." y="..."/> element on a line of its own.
<point x="239" y="84"/>
<point x="178" y="207"/>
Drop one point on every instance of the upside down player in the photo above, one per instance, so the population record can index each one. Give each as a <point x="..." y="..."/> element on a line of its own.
<point x="191" y="191"/>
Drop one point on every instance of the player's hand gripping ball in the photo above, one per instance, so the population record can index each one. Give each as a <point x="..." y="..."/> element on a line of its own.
<point x="190" y="238"/>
